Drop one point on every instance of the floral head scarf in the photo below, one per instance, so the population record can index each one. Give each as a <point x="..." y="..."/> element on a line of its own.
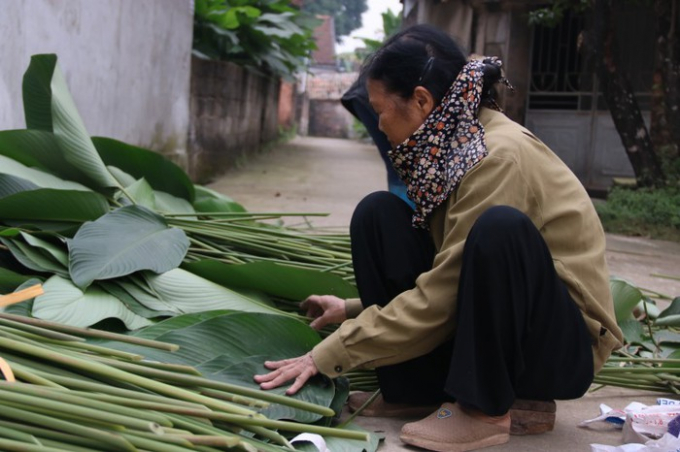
<point x="433" y="160"/>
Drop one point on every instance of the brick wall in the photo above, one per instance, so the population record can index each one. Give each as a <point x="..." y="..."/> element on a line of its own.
<point x="234" y="112"/>
<point x="326" y="115"/>
<point x="328" y="118"/>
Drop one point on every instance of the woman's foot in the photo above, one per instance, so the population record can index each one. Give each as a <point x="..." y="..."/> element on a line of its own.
<point x="454" y="429"/>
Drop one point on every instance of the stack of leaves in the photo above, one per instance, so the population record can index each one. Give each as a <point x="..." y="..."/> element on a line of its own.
<point x="64" y="394"/>
<point x="119" y="232"/>
<point x="650" y="358"/>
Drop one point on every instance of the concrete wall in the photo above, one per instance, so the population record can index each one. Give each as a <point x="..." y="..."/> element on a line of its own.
<point x="126" y="62"/>
<point x="234" y="112"/>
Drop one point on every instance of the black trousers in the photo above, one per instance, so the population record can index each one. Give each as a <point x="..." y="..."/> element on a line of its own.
<point x="518" y="333"/>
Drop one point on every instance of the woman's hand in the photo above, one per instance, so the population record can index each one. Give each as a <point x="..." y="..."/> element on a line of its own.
<point x="301" y="369"/>
<point x="324" y="309"/>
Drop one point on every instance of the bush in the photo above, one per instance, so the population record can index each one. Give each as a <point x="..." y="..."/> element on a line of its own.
<point x="646" y="212"/>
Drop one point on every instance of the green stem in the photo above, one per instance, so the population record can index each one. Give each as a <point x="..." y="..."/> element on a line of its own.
<point x="88" y="332"/>
<point x="118" y="443"/>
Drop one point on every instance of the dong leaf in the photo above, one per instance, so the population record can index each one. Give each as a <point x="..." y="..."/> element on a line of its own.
<point x="671" y="315"/>
<point x="166" y="203"/>
<point x="58" y="252"/>
<point x="24" y="307"/>
<point x="39" y="149"/>
<point x="626" y="298"/>
<point x="232" y="347"/>
<point x="34" y="258"/>
<point x="210" y="201"/>
<point x="47" y="204"/>
<point x="50" y="107"/>
<point x="10" y="185"/>
<point x="40" y="178"/>
<point x="124" y="241"/>
<point x="190" y="293"/>
<point x="142" y="194"/>
<point x="278" y="280"/>
<point x="63" y="302"/>
<point x="159" y="172"/>
<point x="10" y="280"/>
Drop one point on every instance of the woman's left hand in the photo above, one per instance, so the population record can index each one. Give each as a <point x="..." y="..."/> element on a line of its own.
<point x="300" y="369"/>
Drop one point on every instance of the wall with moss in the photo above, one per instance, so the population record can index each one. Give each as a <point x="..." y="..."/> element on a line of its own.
<point x="234" y="112"/>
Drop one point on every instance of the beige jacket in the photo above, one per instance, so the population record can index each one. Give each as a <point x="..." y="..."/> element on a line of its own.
<point x="520" y="171"/>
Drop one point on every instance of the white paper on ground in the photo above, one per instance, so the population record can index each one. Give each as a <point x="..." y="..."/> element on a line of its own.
<point x="313" y="438"/>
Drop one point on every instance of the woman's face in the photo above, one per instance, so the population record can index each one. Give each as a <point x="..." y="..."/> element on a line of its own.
<point x="398" y="118"/>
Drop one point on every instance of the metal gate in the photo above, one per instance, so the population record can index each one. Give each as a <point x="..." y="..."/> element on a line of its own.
<point x="566" y="109"/>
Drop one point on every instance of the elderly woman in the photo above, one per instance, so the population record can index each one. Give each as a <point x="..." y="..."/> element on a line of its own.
<point x="492" y="298"/>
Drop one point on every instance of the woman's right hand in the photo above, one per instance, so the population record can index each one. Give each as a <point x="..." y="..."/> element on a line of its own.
<point x="324" y="309"/>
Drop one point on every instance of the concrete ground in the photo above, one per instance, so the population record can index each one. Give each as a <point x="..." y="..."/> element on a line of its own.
<point x="331" y="176"/>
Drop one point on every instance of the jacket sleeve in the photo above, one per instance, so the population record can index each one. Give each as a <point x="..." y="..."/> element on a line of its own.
<point x="418" y="320"/>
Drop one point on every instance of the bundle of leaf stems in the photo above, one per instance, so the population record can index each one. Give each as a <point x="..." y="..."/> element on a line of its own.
<point x="70" y="395"/>
<point x="634" y="372"/>
<point x="237" y="238"/>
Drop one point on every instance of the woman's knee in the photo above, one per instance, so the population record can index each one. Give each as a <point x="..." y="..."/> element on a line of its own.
<point x="379" y="209"/>
<point x="499" y="222"/>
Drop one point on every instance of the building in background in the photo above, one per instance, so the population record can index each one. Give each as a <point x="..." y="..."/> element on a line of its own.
<point x="321" y="113"/>
<point x="556" y="91"/>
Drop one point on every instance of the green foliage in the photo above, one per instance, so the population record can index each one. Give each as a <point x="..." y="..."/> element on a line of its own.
<point x="391" y="25"/>
<point x="346" y="13"/>
<point x="267" y="35"/>
<point x="551" y="15"/>
<point x="642" y="211"/>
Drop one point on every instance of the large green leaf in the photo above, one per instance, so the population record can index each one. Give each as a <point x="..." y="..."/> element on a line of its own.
<point x="47" y="204"/>
<point x="232" y="348"/>
<point x="188" y="292"/>
<point x="44" y="85"/>
<point x="34" y="258"/>
<point x="123" y="178"/>
<point x="632" y="330"/>
<point x="124" y="241"/>
<point x="626" y="298"/>
<point x="167" y="203"/>
<point x="278" y="280"/>
<point x="40" y="178"/>
<point x="142" y="194"/>
<point x="65" y="303"/>
<point x="210" y="201"/>
<point x="24" y="307"/>
<point x="37" y="94"/>
<point x="116" y="287"/>
<point x="55" y="250"/>
<point x="179" y="322"/>
<point x="10" y="280"/>
<point x="39" y="149"/>
<point x="161" y="173"/>
<point x="10" y="185"/>
<point x="671" y="315"/>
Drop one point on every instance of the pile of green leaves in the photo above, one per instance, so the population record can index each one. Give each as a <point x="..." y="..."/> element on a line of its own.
<point x="642" y="211"/>
<point x="114" y="231"/>
<point x="267" y="35"/>
<point x="71" y="395"/>
<point x="650" y="357"/>
<point x="91" y="218"/>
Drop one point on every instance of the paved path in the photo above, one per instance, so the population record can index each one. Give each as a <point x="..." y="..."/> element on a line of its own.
<point x="328" y="175"/>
